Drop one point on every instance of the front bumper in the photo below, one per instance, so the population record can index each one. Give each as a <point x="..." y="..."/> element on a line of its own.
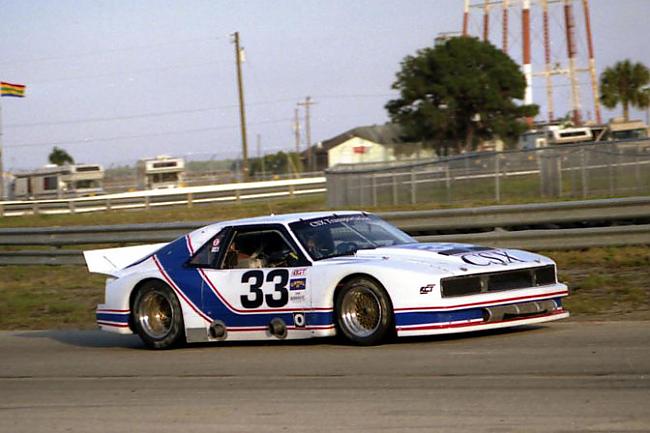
<point x="484" y="312"/>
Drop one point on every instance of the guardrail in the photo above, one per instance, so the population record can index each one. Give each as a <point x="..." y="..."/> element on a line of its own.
<point x="188" y="196"/>
<point x="427" y="226"/>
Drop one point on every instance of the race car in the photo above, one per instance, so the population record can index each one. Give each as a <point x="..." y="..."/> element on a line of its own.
<point x="319" y="274"/>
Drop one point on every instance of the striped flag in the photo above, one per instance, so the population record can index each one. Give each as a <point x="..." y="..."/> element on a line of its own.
<point x="15" y="90"/>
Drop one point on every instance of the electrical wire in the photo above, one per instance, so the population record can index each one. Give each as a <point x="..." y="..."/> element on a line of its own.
<point x="174" y="112"/>
<point x="107" y="51"/>
<point x="124" y="137"/>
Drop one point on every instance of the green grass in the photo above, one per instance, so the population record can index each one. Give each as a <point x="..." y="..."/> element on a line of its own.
<point x="606" y="283"/>
<point x="512" y="193"/>
<point x="43" y="297"/>
<point x="612" y="283"/>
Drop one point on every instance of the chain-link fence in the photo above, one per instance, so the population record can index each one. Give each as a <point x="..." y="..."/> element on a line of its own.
<point x="577" y="171"/>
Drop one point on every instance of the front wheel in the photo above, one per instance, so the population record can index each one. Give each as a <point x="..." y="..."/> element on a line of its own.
<point x="157" y="316"/>
<point x="364" y="313"/>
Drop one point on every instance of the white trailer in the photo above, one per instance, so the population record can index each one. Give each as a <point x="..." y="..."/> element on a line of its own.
<point x="54" y="181"/>
<point x="161" y="172"/>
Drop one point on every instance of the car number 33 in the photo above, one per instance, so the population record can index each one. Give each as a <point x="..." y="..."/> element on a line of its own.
<point x="254" y="281"/>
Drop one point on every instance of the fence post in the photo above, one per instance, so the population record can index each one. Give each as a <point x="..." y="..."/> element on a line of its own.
<point x="2" y="210"/>
<point x="413" y="187"/>
<point x="497" y="183"/>
<point x="291" y="191"/>
<point x="35" y="209"/>
<point x="237" y="196"/>
<point x="71" y="206"/>
<point x="395" y="198"/>
<point x="374" y="189"/>
<point x="560" y="184"/>
<point x="108" y="204"/>
<point x="448" y="182"/>
<point x="610" y="173"/>
<point x="583" y="173"/>
<point x="190" y="199"/>
<point x="147" y="202"/>
<point x="637" y="169"/>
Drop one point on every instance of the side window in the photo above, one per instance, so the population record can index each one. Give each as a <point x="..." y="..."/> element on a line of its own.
<point x="208" y="254"/>
<point x="259" y="249"/>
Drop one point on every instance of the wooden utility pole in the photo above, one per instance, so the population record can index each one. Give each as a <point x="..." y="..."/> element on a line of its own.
<point x="2" y="177"/>
<point x="260" y="157"/>
<point x="296" y="131"/>
<point x="242" y="110"/>
<point x="310" y="156"/>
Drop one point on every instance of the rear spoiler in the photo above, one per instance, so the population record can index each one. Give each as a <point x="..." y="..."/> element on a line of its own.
<point x="110" y="261"/>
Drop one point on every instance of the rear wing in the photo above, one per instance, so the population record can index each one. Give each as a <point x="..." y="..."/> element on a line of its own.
<point x="110" y="261"/>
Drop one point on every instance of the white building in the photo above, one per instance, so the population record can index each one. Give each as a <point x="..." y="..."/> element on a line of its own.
<point x="376" y="143"/>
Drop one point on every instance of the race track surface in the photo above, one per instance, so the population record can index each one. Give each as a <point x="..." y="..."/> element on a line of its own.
<point x="561" y="377"/>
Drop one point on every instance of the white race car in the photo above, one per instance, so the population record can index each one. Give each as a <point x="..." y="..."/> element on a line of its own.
<point x="317" y="275"/>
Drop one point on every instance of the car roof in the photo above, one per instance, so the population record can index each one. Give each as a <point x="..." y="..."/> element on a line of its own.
<point x="280" y="219"/>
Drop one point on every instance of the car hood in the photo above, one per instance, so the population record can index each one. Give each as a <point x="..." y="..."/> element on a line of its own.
<point x="453" y="257"/>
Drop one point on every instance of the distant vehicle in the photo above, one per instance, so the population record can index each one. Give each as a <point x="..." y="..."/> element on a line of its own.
<point x="318" y="275"/>
<point x="618" y="129"/>
<point x="553" y="135"/>
<point x="161" y="172"/>
<point x="614" y="130"/>
<point x="556" y="135"/>
<point x="52" y="181"/>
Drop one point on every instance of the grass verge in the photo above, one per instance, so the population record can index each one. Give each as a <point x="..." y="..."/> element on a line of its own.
<point x="226" y="211"/>
<point x="606" y="283"/>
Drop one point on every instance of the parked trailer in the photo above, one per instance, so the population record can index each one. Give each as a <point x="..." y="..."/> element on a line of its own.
<point x="161" y="172"/>
<point x="52" y="181"/>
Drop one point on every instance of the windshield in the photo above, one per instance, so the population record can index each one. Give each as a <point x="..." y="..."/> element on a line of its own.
<point x="335" y="235"/>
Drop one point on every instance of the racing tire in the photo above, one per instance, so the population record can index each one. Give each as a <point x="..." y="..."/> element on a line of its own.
<point x="157" y="316"/>
<point x="364" y="313"/>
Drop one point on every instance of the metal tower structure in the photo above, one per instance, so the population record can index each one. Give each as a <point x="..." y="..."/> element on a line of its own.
<point x="534" y="29"/>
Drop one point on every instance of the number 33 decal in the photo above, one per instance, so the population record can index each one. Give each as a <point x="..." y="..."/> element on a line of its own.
<point x="255" y="298"/>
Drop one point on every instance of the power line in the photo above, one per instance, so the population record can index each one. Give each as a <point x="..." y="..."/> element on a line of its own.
<point x="124" y="137"/>
<point x="174" y="112"/>
<point x="128" y="72"/>
<point x="107" y="51"/>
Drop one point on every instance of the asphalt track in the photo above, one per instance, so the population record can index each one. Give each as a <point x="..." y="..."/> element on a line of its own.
<point x="564" y="376"/>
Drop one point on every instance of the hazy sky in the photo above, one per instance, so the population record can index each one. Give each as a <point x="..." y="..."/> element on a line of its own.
<point x="115" y="81"/>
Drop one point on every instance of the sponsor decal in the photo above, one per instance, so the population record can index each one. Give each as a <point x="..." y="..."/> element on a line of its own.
<point x="215" y="245"/>
<point x="298" y="284"/>
<point x="427" y="289"/>
<point x="297" y="296"/>
<point x="327" y="221"/>
<point x="299" y="320"/>
<point x="493" y="257"/>
<point x="299" y="272"/>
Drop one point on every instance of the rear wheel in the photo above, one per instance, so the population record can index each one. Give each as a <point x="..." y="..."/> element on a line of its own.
<point x="364" y="312"/>
<point x="157" y="316"/>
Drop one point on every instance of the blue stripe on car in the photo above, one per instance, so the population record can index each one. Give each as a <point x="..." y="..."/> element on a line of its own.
<point x="188" y="279"/>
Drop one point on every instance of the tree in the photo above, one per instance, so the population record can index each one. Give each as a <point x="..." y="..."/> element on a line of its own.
<point x="624" y="84"/>
<point x="59" y="156"/>
<point x="463" y="90"/>
<point x="276" y="163"/>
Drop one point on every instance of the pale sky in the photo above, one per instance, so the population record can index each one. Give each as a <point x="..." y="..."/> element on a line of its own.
<point x="115" y="81"/>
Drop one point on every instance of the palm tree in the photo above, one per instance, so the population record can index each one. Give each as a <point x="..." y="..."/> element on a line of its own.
<point x="623" y="84"/>
<point x="59" y="156"/>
